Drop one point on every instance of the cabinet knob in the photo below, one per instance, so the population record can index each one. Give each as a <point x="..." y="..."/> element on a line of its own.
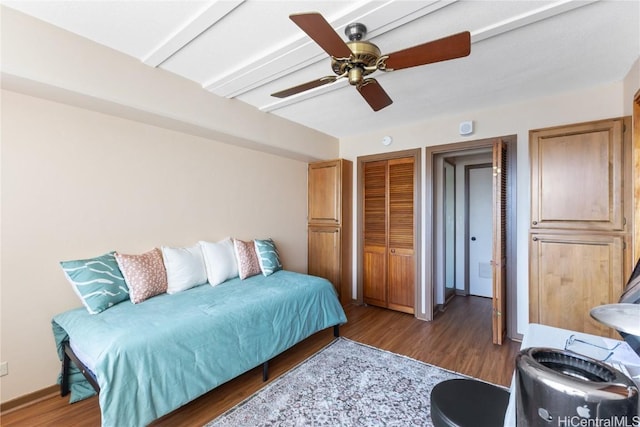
<point x="535" y="239"/>
<point x="393" y="251"/>
<point x="535" y="223"/>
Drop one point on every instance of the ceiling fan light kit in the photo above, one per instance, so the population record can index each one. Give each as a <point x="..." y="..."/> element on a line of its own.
<point x="359" y="58"/>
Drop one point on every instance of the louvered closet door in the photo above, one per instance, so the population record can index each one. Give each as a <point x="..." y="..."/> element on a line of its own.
<point x="499" y="260"/>
<point x="388" y="228"/>
<point x="401" y="274"/>
<point x="375" y="233"/>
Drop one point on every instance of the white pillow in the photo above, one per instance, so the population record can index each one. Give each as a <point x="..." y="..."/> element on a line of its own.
<point x="220" y="261"/>
<point x="185" y="268"/>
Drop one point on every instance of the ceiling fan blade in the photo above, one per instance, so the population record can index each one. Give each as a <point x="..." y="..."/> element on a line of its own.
<point x="455" y="46"/>
<point x="305" y="86"/>
<point x="322" y="33"/>
<point x="373" y="93"/>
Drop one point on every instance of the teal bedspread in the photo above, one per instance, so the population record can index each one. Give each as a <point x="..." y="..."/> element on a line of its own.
<point x="151" y="358"/>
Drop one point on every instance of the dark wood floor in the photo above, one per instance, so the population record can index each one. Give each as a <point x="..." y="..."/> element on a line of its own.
<point x="459" y="340"/>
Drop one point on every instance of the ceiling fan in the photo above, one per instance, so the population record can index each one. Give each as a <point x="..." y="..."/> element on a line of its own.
<point x="358" y="58"/>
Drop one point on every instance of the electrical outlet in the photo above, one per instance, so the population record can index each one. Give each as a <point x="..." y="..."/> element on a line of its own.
<point x="4" y="369"/>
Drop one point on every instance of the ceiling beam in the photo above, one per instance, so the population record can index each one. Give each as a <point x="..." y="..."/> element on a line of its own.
<point x="303" y="52"/>
<point x="528" y="18"/>
<point x="207" y="17"/>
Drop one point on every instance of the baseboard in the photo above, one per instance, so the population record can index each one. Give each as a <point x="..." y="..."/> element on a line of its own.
<point x="29" y="399"/>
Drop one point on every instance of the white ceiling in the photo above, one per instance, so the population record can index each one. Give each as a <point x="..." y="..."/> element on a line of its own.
<point x="248" y="49"/>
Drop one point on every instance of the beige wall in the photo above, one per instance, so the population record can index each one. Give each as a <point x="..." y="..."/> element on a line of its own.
<point x="101" y="152"/>
<point x="41" y="59"/>
<point x="631" y="85"/>
<point x="77" y="183"/>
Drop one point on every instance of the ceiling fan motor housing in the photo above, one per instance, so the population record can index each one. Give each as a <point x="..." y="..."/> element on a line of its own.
<point x="361" y="63"/>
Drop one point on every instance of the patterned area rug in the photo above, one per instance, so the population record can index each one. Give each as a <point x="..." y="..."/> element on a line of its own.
<point x="344" y="384"/>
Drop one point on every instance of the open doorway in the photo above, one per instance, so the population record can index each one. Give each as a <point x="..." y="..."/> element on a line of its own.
<point x="458" y="176"/>
<point x="466" y="224"/>
<point x="478" y="235"/>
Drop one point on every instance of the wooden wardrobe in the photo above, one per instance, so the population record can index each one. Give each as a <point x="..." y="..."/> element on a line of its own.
<point x="581" y="228"/>
<point x="329" y="223"/>
<point x="389" y="219"/>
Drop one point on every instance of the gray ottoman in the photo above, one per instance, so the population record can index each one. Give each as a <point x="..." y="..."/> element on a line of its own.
<point x="468" y="403"/>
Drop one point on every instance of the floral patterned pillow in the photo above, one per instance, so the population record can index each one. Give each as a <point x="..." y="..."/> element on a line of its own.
<point x="247" y="260"/>
<point x="145" y="274"/>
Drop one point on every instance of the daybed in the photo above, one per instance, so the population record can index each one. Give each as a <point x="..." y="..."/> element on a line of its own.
<point x="149" y="359"/>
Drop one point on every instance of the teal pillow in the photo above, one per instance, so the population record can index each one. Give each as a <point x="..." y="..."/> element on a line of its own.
<point x="97" y="281"/>
<point x="268" y="256"/>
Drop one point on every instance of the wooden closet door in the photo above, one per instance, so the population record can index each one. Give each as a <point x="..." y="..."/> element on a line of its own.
<point x="401" y="273"/>
<point x="499" y="256"/>
<point x="375" y="233"/>
<point x="389" y="263"/>
<point x="329" y="224"/>
<point x="580" y="206"/>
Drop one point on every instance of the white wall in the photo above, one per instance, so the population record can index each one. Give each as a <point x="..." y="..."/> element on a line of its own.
<point x="595" y="103"/>
<point x="76" y="184"/>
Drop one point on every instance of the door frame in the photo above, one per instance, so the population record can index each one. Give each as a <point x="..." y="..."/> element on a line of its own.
<point x="417" y="214"/>
<point x="430" y="248"/>
<point x="453" y="240"/>
<point x="635" y="158"/>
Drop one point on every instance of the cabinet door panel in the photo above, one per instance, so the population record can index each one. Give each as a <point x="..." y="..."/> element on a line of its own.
<point x="576" y="176"/>
<point x="401" y="280"/>
<point x="574" y="273"/>
<point x="325" y="193"/>
<point x="374" y="274"/>
<point x="324" y="254"/>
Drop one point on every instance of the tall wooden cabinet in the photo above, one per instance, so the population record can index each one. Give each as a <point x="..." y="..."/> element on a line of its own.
<point x="580" y="222"/>
<point x="389" y="221"/>
<point x="329" y="223"/>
